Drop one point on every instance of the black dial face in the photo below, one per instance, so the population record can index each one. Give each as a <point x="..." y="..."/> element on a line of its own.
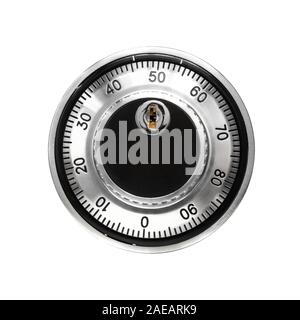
<point x="145" y="178"/>
<point x="152" y="149"/>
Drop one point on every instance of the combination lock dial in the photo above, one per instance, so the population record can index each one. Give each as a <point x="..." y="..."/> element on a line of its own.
<point x="153" y="148"/>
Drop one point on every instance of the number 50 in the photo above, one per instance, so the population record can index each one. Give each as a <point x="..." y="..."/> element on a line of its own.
<point x="157" y="76"/>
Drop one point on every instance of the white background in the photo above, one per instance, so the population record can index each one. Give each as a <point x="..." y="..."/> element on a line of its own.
<point x="45" y="252"/>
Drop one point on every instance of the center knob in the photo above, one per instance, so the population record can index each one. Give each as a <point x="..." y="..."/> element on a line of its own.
<point x="152" y="116"/>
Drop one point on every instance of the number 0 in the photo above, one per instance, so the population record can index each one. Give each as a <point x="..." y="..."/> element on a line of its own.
<point x="145" y="222"/>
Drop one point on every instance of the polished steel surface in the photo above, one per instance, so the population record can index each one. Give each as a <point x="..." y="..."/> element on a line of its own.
<point x="162" y="212"/>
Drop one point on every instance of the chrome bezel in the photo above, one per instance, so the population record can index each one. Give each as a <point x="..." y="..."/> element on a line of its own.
<point x="230" y="89"/>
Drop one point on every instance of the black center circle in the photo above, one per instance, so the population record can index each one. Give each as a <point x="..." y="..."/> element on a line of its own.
<point x="151" y="178"/>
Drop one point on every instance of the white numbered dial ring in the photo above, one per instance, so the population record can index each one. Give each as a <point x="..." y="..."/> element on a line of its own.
<point x="153" y="148"/>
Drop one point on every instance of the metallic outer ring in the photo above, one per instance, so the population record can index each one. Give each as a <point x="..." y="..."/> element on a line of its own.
<point x="226" y="84"/>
